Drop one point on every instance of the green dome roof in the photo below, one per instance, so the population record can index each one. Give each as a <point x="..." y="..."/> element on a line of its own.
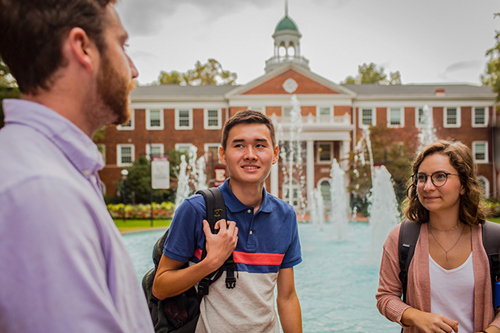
<point x="286" y="24"/>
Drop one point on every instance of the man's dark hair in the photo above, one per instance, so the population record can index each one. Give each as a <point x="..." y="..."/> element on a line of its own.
<point x="248" y="117"/>
<point x="31" y="34"/>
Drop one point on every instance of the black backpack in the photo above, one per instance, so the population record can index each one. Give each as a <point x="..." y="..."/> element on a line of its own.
<point x="180" y="313"/>
<point x="408" y="236"/>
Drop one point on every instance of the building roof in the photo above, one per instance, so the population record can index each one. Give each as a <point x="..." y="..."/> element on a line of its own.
<point x="420" y="89"/>
<point x="286" y="24"/>
<point x="176" y="90"/>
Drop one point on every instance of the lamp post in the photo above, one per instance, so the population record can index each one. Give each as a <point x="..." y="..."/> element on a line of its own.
<point x="124" y="173"/>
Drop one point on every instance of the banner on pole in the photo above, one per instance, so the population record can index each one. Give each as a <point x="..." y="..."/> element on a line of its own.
<point x="160" y="172"/>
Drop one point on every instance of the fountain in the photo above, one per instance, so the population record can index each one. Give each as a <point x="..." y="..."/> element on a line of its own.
<point x="317" y="215"/>
<point x="200" y="176"/>
<point x="427" y="133"/>
<point x="339" y="207"/>
<point x="183" y="189"/>
<point x="383" y="209"/>
<point x="291" y="155"/>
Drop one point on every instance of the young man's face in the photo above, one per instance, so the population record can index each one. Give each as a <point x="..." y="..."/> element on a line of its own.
<point x="249" y="153"/>
<point x="114" y="80"/>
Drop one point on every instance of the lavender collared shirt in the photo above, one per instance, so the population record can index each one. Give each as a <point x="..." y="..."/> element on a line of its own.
<point x="63" y="264"/>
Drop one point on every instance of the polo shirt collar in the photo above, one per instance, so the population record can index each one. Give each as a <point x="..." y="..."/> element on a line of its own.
<point x="235" y="206"/>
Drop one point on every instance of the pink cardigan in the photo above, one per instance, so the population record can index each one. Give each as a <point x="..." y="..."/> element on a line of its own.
<point x="389" y="301"/>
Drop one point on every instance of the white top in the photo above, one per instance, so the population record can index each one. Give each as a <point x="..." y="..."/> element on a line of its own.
<point x="452" y="293"/>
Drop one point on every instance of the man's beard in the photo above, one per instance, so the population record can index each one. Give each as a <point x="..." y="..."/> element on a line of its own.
<point x="113" y="90"/>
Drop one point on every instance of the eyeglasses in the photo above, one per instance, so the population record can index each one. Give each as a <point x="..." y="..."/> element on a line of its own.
<point x="438" y="178"/>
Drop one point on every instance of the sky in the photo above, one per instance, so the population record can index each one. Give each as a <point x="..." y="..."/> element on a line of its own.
<point x="427" y="41"/>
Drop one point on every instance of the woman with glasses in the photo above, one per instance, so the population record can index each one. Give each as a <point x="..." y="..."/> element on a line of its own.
<point x="448" y="285"/>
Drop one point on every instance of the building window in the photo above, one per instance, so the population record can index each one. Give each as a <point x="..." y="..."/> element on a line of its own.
<point x="257" y="108"/>
<point x="424" y="118"/>
<point x="324" y="188"/>
<point x="485" y="185"/>
<point x="213" y="119"/>
<point x="452" y="117"/>
<point x="287" y="112"/>
<point x="480" y="151"/>
<point x="102" y="149"/>
<point x="395" y="117"/>
<point x="131" y="123"/>
<point x="155" y="149"/>
<point x="183" y="148"/>
<point x="212" y="151"/>
<point x="479" y="117"/>
<point x="325" y="152"/>
<point x="125" y="154"/>
<point x="154" y="119"/>
<point x="325" y="113"/>
<point x="183" y="119"/>
<point x="367" y="117"/>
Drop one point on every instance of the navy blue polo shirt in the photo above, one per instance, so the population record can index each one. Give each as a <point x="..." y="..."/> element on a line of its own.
<point x="267" y="240"/>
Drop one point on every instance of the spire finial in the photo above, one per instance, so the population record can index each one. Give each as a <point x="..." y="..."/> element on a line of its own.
<point x="286" y="7"/>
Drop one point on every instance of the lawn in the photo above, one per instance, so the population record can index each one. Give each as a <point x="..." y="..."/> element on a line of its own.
<point x="494" y="219"/>
<point x="127" y="225"/>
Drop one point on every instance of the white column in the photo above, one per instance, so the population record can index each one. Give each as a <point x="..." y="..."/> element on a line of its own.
<point x="344" y="154"/>
<point x="310" y="172"/>
<point x="274" y="179"/>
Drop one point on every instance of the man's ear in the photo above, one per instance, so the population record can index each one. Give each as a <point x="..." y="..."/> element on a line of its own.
<point x="276" y="154"/>
<point x="222" y="155"/>
<point x="82" y="49"/>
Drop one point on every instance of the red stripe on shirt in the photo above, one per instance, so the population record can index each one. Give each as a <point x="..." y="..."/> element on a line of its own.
<point x="258" y="258"/>
<point x="197" y="253"/>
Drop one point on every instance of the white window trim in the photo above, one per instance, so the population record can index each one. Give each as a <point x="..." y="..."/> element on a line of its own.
<point x="148" y="120"/>
<point x="486" y="116"/>
<point x="474" y="143"/>
<point x="417" y="123"/>
<point x="486" y="186"/>
<point x="318" y="109"/>
<point x="207" y="146"/>
<point x="102" y="149"/>
<point x="179" y="145"/>
<point x="219" y="118"/>
<point x="119" y="154"/>
<point x="445" y="118"/>
<point x="360" y="113"/>
<point x="402" y="117"/>
<point x="177" y="127"/>
<point x="148" y="149"/>
<point x="132" y="123"/>
<point x="261" y="109"/>
<point x="317" y="150"/>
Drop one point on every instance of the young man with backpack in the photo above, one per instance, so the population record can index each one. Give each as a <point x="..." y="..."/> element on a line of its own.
<point x="261" y="233"/>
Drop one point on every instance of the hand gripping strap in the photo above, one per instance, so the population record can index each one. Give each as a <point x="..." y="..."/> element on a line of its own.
<point x="216" y="210"/>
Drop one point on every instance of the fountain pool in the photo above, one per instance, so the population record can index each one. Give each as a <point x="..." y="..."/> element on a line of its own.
<point x="336" y="281"/>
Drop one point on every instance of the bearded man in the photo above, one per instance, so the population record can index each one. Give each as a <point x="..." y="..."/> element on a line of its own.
<point x="64" y="267"/>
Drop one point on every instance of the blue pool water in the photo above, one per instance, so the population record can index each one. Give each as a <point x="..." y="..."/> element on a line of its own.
<point x="336" y="282"/>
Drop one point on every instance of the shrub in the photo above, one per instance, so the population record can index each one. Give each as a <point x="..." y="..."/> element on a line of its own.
<point x="163" y="210"/>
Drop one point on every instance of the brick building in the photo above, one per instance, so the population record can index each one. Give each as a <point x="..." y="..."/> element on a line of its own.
<point x="177" y="117"/>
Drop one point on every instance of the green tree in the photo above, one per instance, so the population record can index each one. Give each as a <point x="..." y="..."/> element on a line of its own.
<point x="369" y="73"/>
<point x="203" y="74"/>
<point x="136" y="188"/>
<point x="8" y="87"/>
<point x="492" y="75"/>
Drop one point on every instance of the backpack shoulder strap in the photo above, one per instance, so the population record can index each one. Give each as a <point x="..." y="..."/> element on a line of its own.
<point x="491" y="243"/>
<point x="216" y="210"/>
<point x="408" y="236"/>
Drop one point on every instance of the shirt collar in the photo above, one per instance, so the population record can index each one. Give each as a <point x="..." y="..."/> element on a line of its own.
<point x="80" y="150"/>
<point x="235" y="206"/>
